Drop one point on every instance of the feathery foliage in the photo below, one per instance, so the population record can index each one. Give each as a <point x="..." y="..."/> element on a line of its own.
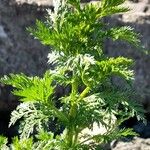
<point x="30" y="88"/>
<point x="76" y="33"/>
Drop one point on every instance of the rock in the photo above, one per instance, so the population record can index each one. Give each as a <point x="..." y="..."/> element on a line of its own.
<point x="138" y="12"/>
<point x="2" y="32"/>
<point x="37" y="2"/>
<point x="142" y="129"/>
<point x="135" y="144"/>
<point x="19" y="52"/>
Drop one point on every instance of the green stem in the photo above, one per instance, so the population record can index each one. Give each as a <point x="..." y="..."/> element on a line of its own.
<point x="59" y="114"/>
<point x="76" y="138"/>
<point x="72" y="134"/>
<point x="91" y="138"/>
<point x="72" y="114"/>
<point x="85" y="91"/>
<point x="73" y="99"/>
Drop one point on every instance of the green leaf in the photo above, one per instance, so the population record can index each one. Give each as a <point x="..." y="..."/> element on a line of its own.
<point x="118" y="66"/>
<point x="111" y="3"/>
<point x="114" y="10"/>
<point x="114" y="134"/>
<point x="75" y="3"/>
<point x="42" y="32"/>
<point x="32" y="118"/>
<point x="3" y="143"/>
<point x="125" y="33"/>
<point x="23" y="144"/>
<point x="31" y="88"/>
<point x="43" y="135"/>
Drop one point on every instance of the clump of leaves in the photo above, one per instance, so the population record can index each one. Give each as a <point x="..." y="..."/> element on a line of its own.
<point x="76" y="33"/>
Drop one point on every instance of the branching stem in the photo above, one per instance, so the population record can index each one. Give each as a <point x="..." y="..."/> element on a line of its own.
<point x="84" y="93"/>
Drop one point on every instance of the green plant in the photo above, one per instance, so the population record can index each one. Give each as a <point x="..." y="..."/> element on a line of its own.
<point x="76" y="33"/>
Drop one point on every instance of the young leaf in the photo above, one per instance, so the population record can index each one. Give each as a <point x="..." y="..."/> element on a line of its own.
<point x="31" y="88"/>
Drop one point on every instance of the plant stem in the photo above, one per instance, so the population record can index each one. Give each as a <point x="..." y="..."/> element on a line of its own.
<point x="72" y="114"/>
<point x="85" y="91"/>
<point x="91" y="138"/>
<point x="59" y="114"/>
<point x="72" y="134"/>
<point x="76" y="137"/>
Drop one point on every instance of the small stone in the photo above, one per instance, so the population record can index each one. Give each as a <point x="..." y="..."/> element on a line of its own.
<point x="2" y="32"/>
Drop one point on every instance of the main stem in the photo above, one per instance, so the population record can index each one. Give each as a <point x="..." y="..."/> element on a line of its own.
<point x="72" y="133"/>
<point x="71" y="130"/>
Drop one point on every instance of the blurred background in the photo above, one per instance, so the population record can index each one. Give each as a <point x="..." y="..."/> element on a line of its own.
<point x="20" y="52"/>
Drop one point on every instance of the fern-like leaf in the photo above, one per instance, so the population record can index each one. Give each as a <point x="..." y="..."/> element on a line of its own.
<point x="111" y="3"/>
<point x="114" y="134"/>
<point x="124" y="33"/>
<point x="30" y="88"/>
<point x="33" y="118"/>
<point x="3" y="143"/>
<point x="42" y="32"/>
<point x="23" y="144"/>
